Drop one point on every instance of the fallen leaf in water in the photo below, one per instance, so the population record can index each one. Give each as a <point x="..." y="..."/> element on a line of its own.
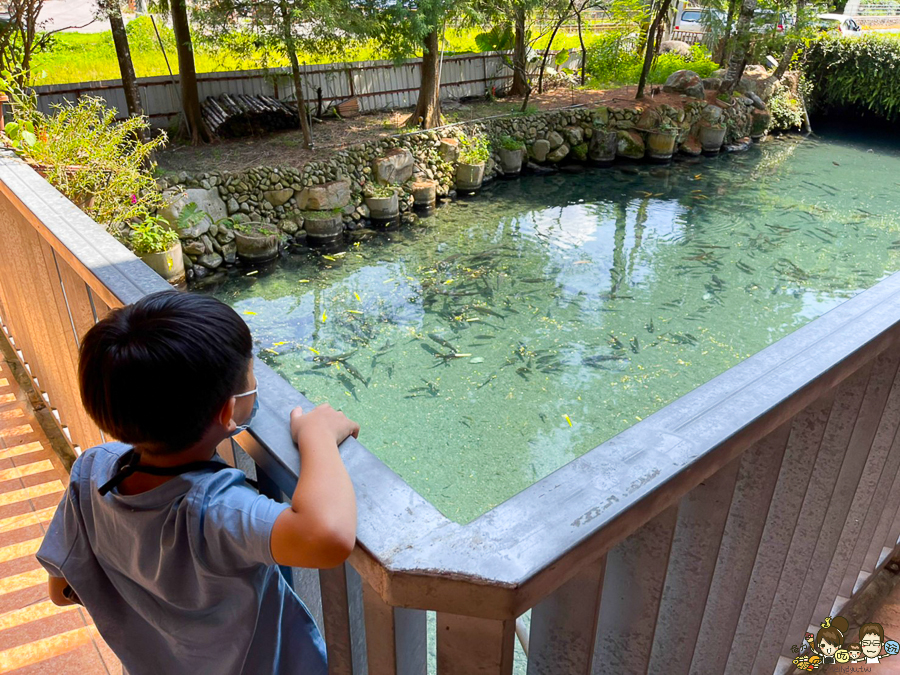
<point x="568" y="420"/>
<point x="249" y="313"/>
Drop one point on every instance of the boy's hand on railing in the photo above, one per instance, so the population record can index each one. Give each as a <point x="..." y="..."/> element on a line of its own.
<point x="323" y="421"/>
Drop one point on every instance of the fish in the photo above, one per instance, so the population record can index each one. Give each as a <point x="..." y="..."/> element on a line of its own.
<point x="442" y="342"/>
<point x="635" y="344"/>
<point x="428" y="348"/>
<point x="348" y="383"/>
<point x="650" y="327"/>
<point x="484" y="337"/>
<point x="355" y="373"/>
<point x="744" y="267"/>
<point x="487" y="311"/>
<point x="614" y="341"/>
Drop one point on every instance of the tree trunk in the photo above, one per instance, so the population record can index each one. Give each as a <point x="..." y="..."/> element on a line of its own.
<point x="650" y="47"/>
<point x="190" y="98"/>
<point x="742" y="48"/>
<point x="123" y="54"/>
<point x="722" y="51"/>
<point x="291" y="49"/>
<point x="427" y="114"/>
<point x="791" y="46"/>
<point x="520" y="73"/>
<point x="547" y="52"/>
<point x="583" y="48"/>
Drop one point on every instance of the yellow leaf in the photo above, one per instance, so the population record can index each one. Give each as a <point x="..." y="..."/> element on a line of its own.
<point x="568" y="420"/>
<point x="272" y="351"/>
<point x="278" y="344"/>
<point x="324" y="317"/>
<point x="302" y="281"/>
<point x="357" y="297"/>
<point x="248" y="312"/>
<point x="354" y="311"/>
<point x="314" y="351"/>
<point x="329" y="257"/>
<point x="250" y="274"/>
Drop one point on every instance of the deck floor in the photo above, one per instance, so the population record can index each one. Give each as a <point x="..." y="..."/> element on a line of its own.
<point x="36" y="636"/>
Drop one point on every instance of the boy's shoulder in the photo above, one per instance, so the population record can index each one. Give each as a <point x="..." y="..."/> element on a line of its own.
<point x="96" y="461"/>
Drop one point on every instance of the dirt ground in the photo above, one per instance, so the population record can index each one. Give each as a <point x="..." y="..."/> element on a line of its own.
<point x="286" y="148"/>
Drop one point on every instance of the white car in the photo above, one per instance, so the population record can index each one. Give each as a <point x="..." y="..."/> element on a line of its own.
<point x="844" y="24"/>
<point x="696" y="20"/>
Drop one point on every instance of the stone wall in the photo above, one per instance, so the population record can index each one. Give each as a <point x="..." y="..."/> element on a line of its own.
<point x="284" y="197"/>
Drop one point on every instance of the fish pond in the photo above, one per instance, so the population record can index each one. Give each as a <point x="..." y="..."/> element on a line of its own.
<point x="485" y="347"/>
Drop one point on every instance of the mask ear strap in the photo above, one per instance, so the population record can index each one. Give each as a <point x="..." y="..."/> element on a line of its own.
<point x="132" y="460"/>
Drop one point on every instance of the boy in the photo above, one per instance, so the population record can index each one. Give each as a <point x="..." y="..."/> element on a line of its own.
<point x="171" y="551"/>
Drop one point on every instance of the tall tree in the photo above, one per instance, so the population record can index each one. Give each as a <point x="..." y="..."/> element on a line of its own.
<point x="113" y="11"/>
<point x="279" y="26"/>
<point x="409" y="27"/>
<point x="743" y="47"/>
<point x="190" y="97"/>
<point x="650" y="45"/>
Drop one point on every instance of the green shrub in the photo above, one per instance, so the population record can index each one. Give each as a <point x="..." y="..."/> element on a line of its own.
<point x="97" y="162"/>
<point x="786" y="110"/>
<point x="151" y="236"/>
<point x="511" y="144"/>
<point x="861" y="72"/>
<point x="611" y="61"/>
<point x="475" y="149"/>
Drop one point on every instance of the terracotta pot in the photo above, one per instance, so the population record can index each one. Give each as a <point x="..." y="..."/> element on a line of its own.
<point x="256" y="247"/>
<point x="511" y="161"/>
<point x="169" y="264"/>
<point x="661" y="144"/>
<point x="323" y="229"/>
<point x="384" y="209"/>
<point x="469" y="177"/>
<point x="602" y="149"/>
<point x="711" y="138"/>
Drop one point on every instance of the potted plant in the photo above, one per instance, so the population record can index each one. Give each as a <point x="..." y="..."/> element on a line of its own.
<point x="159" y="247"/>
<point x="602" y="149"/>
<point x="323" y="226"/>
<point x="474" y="153"/>
<point x="383" y="202"/>
<point x="512" y="150"/>
<point x="256" y="242"/>
<point x="661" y="141"/>
<point x="712" y="136"/>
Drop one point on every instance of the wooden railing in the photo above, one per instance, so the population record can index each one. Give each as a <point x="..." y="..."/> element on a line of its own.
<point x="707" y="538"/>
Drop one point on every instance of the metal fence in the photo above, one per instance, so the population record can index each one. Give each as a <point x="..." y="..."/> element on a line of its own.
<point x="378" y="85"/>
<point x="707" y="538"/>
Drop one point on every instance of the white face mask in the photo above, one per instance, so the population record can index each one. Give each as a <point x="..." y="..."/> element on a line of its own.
<point x="246" y="425"/>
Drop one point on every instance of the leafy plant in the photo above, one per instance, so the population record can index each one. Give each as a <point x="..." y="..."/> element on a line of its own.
<point x="255" y="227"/>
<point x="378" y="191"/>
<point x="786" y="110"/>
<point x="860" y="72"/>
<point x="511" y="144"/>
<point x="190" y="216"/>
<point x="474" y="149"/>
<point x="151" y="235"/>
<point x="725" y="97"/>
<point x="96" y="161"/>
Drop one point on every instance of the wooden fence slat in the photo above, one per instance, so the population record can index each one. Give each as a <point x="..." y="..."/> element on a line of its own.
<point x="859" y="397"/>
<point x="632" y="590"/>
<point x="564" y="625"/>
<point x="396" y="638"/>
<point x="702" y="514"/>
<point x="770" y="474"/>
<point x="473" y="646"/>
<point x="872" y="498"/>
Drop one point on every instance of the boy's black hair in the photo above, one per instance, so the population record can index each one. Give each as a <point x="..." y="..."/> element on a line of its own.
<point x="157" y="372"/>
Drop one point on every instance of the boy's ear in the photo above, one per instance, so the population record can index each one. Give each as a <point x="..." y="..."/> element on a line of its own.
<point x="226" y="415"/>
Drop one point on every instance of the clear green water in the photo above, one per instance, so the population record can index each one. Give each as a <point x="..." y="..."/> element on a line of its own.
<point x="575" y="305"/>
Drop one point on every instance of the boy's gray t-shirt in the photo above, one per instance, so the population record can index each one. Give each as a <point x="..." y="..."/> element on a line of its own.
<point x="181" y="579"/>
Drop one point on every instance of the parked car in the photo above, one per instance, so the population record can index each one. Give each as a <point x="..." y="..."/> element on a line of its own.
<point x="696" y="20"/>
<point x="842" y="23"/>
<point x="770" y="21"/>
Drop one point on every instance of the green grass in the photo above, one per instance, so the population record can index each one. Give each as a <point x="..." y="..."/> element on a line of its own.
<point x="87" y="57"/>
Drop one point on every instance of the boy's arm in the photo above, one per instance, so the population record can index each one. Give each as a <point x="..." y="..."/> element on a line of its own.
<point x="319" y="530"/>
